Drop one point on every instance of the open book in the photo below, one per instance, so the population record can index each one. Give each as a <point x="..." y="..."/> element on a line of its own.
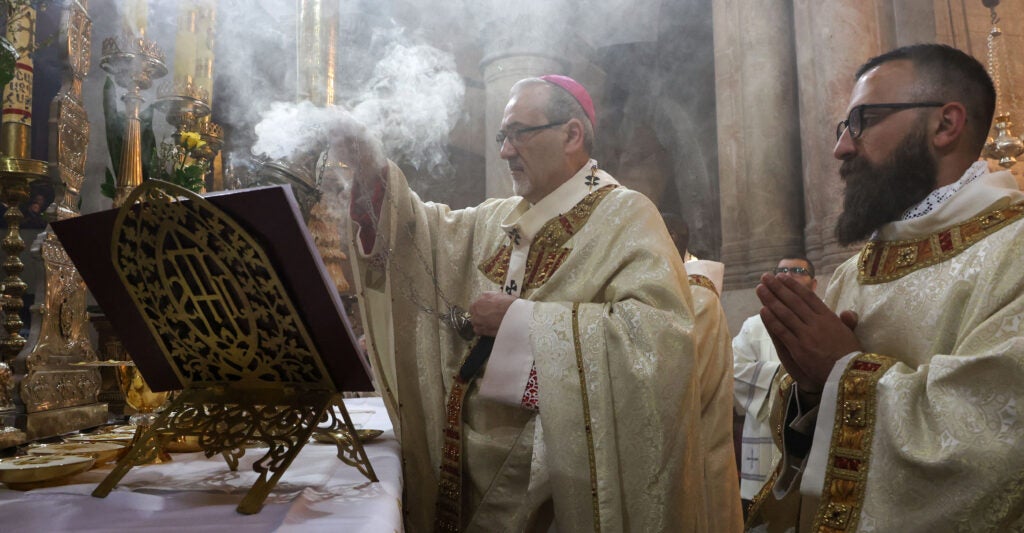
<point x="269" y="218"/>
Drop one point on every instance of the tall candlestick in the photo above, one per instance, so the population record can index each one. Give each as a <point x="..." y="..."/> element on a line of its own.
<point x="17" y="172"/>
<point x="134" y="64"/>
<point x="15" y="135"/>
<point x="185" y="46"/>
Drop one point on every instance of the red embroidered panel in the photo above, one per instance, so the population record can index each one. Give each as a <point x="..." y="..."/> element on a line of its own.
<point x="531" y="396"/>
<point x="865" y="366"/>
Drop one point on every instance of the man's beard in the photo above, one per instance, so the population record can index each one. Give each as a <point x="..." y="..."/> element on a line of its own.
<point x="877" y="194"/>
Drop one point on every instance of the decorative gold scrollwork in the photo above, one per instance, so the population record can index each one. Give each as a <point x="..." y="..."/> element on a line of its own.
<point x="225" y="323"/>
<point x="209" y="293"/>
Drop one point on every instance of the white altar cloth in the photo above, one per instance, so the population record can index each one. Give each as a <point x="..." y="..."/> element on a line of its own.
<point x="194" y="494"/>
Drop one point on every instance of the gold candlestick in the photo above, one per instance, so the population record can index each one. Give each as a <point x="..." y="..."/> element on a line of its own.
<point x="53" y="395"/>
<point x="134" y="62"/>
<point x="15" y="177"/>
<point x="17" y="171"/>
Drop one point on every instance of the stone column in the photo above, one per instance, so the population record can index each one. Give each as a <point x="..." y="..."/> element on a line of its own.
<point x="523" y="42"/>
<point x="833" y="38"/>
<point x="501" y="72"/>
<point x="758" y="137"/>
<point x="914" y="21"/>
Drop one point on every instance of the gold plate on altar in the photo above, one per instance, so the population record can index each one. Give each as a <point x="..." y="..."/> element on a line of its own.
<point x="331" y="437"/>
<point x="108" y="362"/>
<point x="100" y="451"/>
<point x="127" y="428"/>
<point x="28" y="472"/>
<point x="107" y="436"/>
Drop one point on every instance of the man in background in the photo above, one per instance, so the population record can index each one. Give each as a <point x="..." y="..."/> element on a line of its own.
<point x="755" y="366"/>
<point x="714" y="362"/>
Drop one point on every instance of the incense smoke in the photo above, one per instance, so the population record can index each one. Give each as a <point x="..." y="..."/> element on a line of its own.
<point x="414" y="73"/>
<point x="410" y="104"/>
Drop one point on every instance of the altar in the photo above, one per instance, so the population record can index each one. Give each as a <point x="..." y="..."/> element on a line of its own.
<point x="193" y="493"/>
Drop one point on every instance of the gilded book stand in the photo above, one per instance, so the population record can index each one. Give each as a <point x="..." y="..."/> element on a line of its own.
<point x="250" y="349"/>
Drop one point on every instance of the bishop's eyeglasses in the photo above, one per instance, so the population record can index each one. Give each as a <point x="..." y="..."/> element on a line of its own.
<point x="800" y="271"/>
<point x="516" y="136"/>
<point x="855" y="120"/>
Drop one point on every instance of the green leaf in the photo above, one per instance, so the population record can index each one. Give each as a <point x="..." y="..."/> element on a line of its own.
<point x="8" y="59"/>
<point x="109" y="186"/>
<point x="148" y="143"/>
<point x="190" y="177"/>
<point x="114" y="122"/>
<point x="193" y="172"/>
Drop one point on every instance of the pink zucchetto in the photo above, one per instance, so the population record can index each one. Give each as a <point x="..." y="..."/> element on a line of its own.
<point x="577" y="91"/>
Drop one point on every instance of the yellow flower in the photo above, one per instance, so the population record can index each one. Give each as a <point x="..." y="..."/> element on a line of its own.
<point x="191" y="140"/>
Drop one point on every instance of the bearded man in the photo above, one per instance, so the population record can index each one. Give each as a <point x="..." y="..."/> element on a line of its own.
<point x="577" y="405"/>
<point x="901" y="412"/>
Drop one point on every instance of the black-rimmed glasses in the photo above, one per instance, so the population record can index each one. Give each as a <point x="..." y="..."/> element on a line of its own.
<point x="800" y="271"/>
<point x="855" y="120"/>
<point x="516" y="136"/>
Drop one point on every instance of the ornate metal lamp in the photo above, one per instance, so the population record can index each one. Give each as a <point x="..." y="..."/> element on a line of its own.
<point x="1004" y="147"/>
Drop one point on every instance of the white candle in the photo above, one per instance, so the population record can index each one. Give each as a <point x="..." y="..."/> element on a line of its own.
<point x="133" y="17"/>
<point x="205" y="27"/>
<point x="185" y="46"/>
<point x="17" y="97"/>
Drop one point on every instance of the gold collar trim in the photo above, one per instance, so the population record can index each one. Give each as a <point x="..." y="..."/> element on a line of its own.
<point x="547" y="252"/>
<point x="883" y="261"/>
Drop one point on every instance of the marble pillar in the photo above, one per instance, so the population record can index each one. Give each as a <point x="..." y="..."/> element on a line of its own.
<point x="914" y="21"/>
<point x="523" y="41"/>
<point x="833" y="38"/>
<point x="758" y="137"/>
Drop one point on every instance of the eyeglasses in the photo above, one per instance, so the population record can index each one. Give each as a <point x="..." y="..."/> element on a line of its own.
<point x="516" y="136"/>
<point x="855" y="120"/>
<point x="800" y="271"/>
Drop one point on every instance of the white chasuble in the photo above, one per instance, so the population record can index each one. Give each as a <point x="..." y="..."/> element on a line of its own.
<point x="923" y="431"/>
<point x="755" y="365"/>
<point x="616" y="442"/>
<point x="714" y="368"/>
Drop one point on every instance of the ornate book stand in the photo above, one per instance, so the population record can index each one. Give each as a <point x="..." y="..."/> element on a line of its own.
<point x="227" y="326"/>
